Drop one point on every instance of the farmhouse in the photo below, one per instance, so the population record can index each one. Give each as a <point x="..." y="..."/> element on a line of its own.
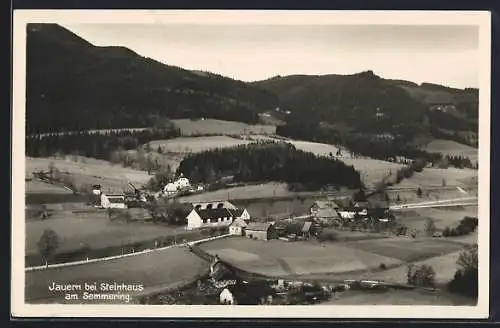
<point x="261" y="231"/>
<point x="321" y="204"/>
<point x="207" y="218"/>
<point x="326" y="215"/>
<point x="113" y="201"/>
<point x="214" y="204"/>
<point x="180" y="184"/>
<point x="238" y="226"/>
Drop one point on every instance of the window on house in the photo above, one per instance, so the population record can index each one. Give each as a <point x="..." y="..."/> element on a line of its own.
<point x="205" y="220"/>
<point x="209" y="206"/>
<point x="197" y="207"/>
<point x="220" y="205"/>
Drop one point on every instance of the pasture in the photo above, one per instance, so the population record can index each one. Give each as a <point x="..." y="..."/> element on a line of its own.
<point x="87" y="171"/>
<point x="434" y="177"/>
<point x="40" y="187"/>
<point x="155" y="271"/>
<point x="405" y="249"/>
<point x="92" y="229"/>
<point x="442" y="216"/>
<point x="398" y="297"/>
<point x="278" y="258"/>
<point x="185" y="145"/>
<point x="444" y="266"/>
<point x="265" y="190"/>
<point x="452" y="148"/>
<point x="218" y="127"/>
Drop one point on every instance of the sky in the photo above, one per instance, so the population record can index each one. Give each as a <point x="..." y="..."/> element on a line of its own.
<point x="442" y="54"/>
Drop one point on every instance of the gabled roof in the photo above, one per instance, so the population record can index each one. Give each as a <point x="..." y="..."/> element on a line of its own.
<point x="239" y="223"/>
<point x="237" y="212"/>
<point x="214" y="213"/>
<point x="326" y="213"/>
<point x="258" y="226"/>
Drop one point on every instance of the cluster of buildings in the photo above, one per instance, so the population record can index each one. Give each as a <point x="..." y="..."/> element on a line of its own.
<point x="223" y="214"/>
<point x="344" y="211"/>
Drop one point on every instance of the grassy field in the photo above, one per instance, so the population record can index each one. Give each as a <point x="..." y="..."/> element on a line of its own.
<point x="277" y="258"/>
<point x="211" y="126"/>
<point x="452" y="148"/>
<point x="270" y="189"/>
<point x="196" y="144"/>
<point x="37" y="187"/>
<point x="92" y="229"/>
<point x="398" y="297"/>
<point x="405" y="249"/>
<point x="443" y="217"/>
<point x="90" y="171"/>
<point x="155" y="270"/>
<point x="433" y="177"/>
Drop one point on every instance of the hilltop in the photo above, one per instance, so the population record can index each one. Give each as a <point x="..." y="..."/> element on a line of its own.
<point x="369" y="104"/>
<point x="73" y="84"/>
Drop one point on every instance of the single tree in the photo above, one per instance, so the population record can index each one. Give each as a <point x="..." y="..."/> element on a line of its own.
<point x="419" y="192"/>
<point x="430" y="227"/>
<point x="48" y="244"/>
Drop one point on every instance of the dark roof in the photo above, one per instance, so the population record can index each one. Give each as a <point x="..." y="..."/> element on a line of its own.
<point x="257" y="226"/>
<point x="214" y="213"/>
<point x="307" y="226"/>
<point x="237" y="212"/>
<point x="116" y="200"/>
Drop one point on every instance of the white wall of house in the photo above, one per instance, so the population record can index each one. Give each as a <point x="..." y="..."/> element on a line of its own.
<point x="105" y="203"/>
<point x="193" y="220"/>
<point x="226" y="297"/>
<point x="347" y="214"/>
<point x="235" y="230"/>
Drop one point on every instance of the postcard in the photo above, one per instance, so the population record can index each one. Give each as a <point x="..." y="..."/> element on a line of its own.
<point x="257" y="164"/>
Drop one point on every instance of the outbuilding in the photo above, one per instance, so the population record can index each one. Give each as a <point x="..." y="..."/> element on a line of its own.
<point x="261" y="231"/>
<point x="113" y="201"/>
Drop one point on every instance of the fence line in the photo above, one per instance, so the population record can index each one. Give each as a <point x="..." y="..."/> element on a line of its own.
<point x="102" y="259"/>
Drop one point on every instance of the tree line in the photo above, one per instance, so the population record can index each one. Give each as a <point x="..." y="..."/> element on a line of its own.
<point x="95" y="145"/>
<point x="268" y="161"/>
<point x="359" y="144"/>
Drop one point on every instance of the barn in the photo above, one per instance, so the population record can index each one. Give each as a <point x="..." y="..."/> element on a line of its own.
<point x="261" y="231"/>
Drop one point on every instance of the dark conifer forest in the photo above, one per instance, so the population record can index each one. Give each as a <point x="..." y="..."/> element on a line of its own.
<point x="268" y="161"/>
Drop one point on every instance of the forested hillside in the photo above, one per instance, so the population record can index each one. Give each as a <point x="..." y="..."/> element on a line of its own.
<point x="74" y="85"/>
<point x="269" y="161"/>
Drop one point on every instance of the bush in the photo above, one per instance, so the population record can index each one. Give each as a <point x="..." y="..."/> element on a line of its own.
<point x="465" y="280"/>
<point x="421" y="275"/>
<point x="382" y="266"/>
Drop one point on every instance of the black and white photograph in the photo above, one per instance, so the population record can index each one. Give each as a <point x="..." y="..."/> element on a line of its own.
<point x="249" y="163"/>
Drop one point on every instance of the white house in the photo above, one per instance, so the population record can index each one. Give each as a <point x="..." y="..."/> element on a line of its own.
<point x="347" y="214"/>
<point x="209" y="218"/>
<point x="238" y="226"/>
<point x="226" y="297"/>
<point x="175" y="186"/>
<point x="113" y="201"/>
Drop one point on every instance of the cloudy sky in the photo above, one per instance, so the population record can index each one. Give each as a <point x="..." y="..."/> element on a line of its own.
<point x="446" y="55"/>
